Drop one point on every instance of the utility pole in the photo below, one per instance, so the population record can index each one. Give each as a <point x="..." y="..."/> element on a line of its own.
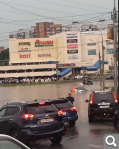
<point x="100" y="71"/>
<point x="115" y="48"/>
<point x="103" y="77"/>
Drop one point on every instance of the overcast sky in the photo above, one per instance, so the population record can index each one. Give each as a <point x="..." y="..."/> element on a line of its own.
<point x="23" y="14"/>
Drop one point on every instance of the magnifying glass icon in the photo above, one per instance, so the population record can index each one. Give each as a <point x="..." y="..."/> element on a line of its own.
<point x="113" y="141"/>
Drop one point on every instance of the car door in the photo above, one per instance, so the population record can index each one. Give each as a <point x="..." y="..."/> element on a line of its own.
<point x="8" y="119"/>
<point x="2" y="114"/>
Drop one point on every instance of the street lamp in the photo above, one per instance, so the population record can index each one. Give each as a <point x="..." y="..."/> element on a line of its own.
<point x="99" y="64"/>
<point x="57" y="64"/>
<point x="103" y="78"/>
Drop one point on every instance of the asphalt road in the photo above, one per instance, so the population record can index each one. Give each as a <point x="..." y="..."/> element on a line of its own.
<point x="83" y="135"/>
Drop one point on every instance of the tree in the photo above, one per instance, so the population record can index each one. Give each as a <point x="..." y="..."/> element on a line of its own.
<point x="4" y="55"/>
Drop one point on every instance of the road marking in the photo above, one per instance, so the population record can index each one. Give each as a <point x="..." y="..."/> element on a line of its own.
<point x="91" y="145"/>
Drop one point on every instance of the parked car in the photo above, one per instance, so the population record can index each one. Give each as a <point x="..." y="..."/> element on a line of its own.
<point x="115" y="120"/>
<point x="32" y="121"/>
<point x="7" y="142"/>
<point x="110" y="77"/>
<point x="87" y="80"/>
<point x="78" y="77"/>
<point x="66" y="78"/>
<point x="79" y="89"/>
<point x="69" y="111"/>
<point x="102" y="104"/>
<point x="107" y="71"/>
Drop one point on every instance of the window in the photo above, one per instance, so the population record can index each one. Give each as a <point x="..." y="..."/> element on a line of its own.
<point x="64" y="105"/>
<point x="91" y="52"/>
<point x="109" y="43"/>
<point x="2" y="112"/>
<point x="36" y="109"/>
<point x="110" y="51"/>
<point x="6" y="144"/>
<point x="91" y="44"/>
<point x="12" y="111"/>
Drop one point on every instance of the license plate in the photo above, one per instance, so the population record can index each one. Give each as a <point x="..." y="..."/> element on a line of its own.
<point x="104" y="107"/>
<point x="64" y="113"/>
<point x="47" y="120"/>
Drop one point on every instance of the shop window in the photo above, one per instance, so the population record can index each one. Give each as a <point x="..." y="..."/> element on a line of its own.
<point x="91" y="44"/>
<point x="110" y="51"/>
<point x="91" y="52"/>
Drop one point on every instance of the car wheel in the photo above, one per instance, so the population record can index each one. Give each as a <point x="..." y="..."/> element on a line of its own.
<point x="14" y="134"/>
<point x="117" y="126"/>
<point x="72" y="123"/>
<point x="56" y="140"/>
<point x="90" y="119"/>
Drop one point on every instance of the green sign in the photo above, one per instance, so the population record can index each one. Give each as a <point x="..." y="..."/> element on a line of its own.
<point x="58" y="72"/>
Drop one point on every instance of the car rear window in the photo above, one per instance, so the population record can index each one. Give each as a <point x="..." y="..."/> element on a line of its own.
<point x="37" y="109"/>
<point x="103" y="97"/>
<point x="64" y="105"/>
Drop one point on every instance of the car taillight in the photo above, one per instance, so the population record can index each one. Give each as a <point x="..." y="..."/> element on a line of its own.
<point x="73" y="109"/>
<point x="60" y="113"/>
<point x="91" y="99"/>
<point x="28" y="116"/>
<point x="115" y="98"/>
<point x="41" y="103"/>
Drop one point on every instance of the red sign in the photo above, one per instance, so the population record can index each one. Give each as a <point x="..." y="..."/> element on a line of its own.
<point x="39" y="43"/>
<point x="72" y="46"/>
<point x="25" y="56"/>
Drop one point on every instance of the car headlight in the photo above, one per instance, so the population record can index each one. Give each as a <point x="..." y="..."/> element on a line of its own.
<point x="116" y="112"/>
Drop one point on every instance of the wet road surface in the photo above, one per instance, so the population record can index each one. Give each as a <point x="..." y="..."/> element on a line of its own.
<point x="83" y="135"/>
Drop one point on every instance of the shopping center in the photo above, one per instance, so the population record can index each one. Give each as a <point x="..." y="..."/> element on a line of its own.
<point x="74" y="52"/>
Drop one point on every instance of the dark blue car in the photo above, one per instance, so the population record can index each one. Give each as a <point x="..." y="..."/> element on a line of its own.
<point x="69" y="111"/>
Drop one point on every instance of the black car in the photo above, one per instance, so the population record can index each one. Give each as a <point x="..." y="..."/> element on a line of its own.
<point x="69" y="111"/>
<point x="102" y="104"/>
<point x="111" y="77"/>
<point x="32" y="121"/>
<point x="115" y="120"/>
<point x="87" y="80"/>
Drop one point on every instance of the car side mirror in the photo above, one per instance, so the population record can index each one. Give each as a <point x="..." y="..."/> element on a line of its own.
<point x="87" y="101"/>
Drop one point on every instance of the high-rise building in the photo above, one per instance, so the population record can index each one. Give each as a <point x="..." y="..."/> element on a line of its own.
<point x="41" y="30"/>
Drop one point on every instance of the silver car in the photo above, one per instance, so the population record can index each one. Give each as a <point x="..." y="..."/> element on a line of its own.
<point x="7" y="142"/>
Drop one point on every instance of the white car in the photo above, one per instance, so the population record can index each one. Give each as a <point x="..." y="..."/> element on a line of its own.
<point x="78" y="77"/>
<point x="7" y="142"/>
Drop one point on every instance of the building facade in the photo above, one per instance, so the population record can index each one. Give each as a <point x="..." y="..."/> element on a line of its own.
<point x="41" y="30"/>
<point x="2" y="49"/>
<point x="73" y="51"/>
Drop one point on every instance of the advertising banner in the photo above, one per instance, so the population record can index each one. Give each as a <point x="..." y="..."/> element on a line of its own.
<point x="66" y="65"/>
<point x="72" y="46"/>
<point x="73" y="57"/>
<point x="72" y="51"/>
<point x="72" y="41"/>
<point x="71" y="35"/>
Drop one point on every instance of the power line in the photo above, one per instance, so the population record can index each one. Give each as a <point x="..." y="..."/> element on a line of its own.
<point x="86" y="4"/>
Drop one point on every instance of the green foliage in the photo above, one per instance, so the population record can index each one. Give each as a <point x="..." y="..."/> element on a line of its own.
<point x="4" y="55"/>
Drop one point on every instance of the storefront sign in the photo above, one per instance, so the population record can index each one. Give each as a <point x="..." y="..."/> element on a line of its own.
<point x="72" y="41"/>
<point x="44" y="55"/>
<point x="72" y="51"/>
<point x="25" y="43"/>
<point x="25" y="56"/>
<point x="24" y="50"/>
<point x="71" y="35"/>
<point x="73" y="57"/>
<point x="39" y="43"/>
<point x="72" y="46"/>
<point x="66" y="65"/>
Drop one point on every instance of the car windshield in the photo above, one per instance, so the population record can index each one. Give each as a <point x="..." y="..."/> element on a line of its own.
<point x="66" y="105"/>
<point x="103" y="97"/>
<point x="36" y="109"/>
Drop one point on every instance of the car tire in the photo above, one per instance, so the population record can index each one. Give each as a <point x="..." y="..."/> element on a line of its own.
<point x="90" y="119"/>
<point x="72" y="123"/>
<point x="56" y="140"/>
<point x="117" y="126"/>
<point x="14" y="134"/>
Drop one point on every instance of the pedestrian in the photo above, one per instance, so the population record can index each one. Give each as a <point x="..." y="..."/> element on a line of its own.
<point x="71" y="99"/>
<point x="81" y="84"/>
<point x="38" y="80"/>
<point x="34" y="80"/>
